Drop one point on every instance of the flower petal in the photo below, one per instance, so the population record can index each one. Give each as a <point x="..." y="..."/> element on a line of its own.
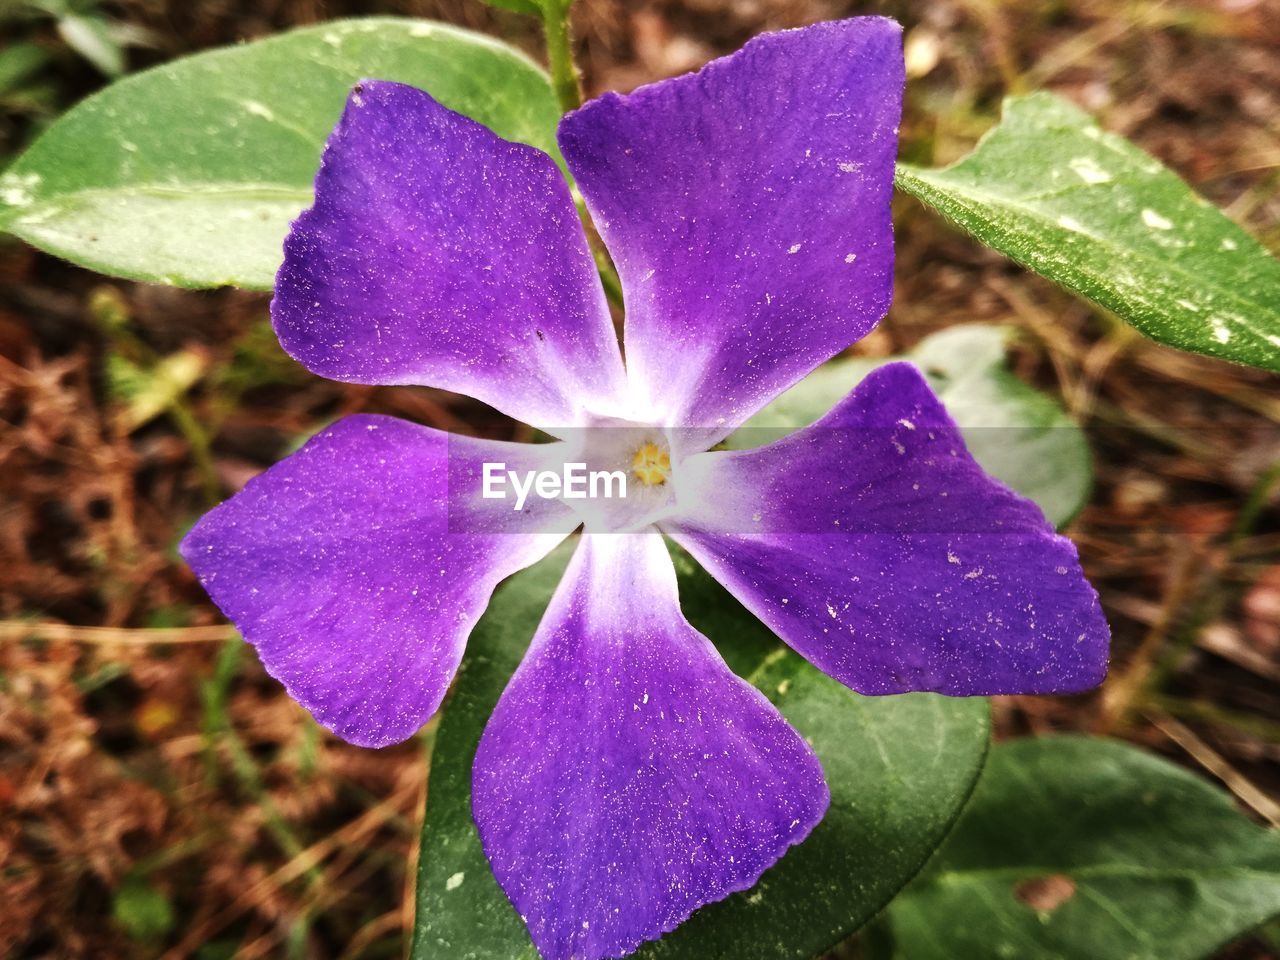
<point x="626" y="777"/>
<point x="438" y="253"/>
<point x="357" y="577"/>
<point x="747" y="209"/>
<point x="873" y="544"/>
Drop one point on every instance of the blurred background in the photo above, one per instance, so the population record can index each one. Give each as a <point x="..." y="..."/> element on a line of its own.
<point x="160" y="796"/>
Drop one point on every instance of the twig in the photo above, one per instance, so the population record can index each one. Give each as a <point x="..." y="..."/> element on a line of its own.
<point x="19" y="630"/>
<point x="1218" y="716"/>
<point x="409" y="892"/>
<point x="299" y="865"/>
<point x="1215" y="637"/>
<point x="1123" y="692"/>
<point x="1244" y="789"/>
<point x="385" y="925"/>
<point x="1208" y="605"/>
<point x="1188" y="369"/>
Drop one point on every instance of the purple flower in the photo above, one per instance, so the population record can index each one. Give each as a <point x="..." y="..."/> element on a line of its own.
<point x="627" y="777"/>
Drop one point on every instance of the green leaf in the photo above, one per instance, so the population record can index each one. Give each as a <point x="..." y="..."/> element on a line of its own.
<point x="144" y="912"/>
<point x="190" y="173"/>
<point x="1078" y="848"/>
<point x="145" y="394"/>
<point x="1019" y="435"/>
<point x="90" y="36"/>
<point x="900" y="768"/>
<point x="1050" y="189"/>
<point x="18" y="62"/>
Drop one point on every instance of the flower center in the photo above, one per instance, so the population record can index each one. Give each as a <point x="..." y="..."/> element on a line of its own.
<point x="652" y="464"/>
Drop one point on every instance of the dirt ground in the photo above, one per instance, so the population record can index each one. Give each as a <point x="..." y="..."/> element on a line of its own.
<point x="167" y="798"/>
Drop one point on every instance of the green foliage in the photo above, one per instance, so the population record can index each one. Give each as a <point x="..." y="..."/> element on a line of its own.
<point x="18" y="63"/>
<point x="85" y="28"/>
<point x="145" y="394"/>
<point x="1018" y="434"/>
<point x="143" y="912"/>
<point x="92" y="38"/>
<point x="1088" y="209"/>
<point x="190" y="173"/>
<point x="1075" y="848"/>
<point x="900" y="768"/>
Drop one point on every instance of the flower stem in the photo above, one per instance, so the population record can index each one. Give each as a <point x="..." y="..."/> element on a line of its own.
<point x="608" y="276"/>
<point x="565" y="78"/>
<point x="200" y="445"/>
<point x="566" y="81"/>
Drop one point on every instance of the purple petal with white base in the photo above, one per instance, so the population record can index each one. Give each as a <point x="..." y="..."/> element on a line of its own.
<point x="874" y="545"/>
<point x="747" y="209"/>
<point x="344" y="566"/>
<point x="439" y="254"/>
<point x="627" y="777"/>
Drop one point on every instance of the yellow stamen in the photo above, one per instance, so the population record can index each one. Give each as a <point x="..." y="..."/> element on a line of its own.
<point x="651" y="465"/>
